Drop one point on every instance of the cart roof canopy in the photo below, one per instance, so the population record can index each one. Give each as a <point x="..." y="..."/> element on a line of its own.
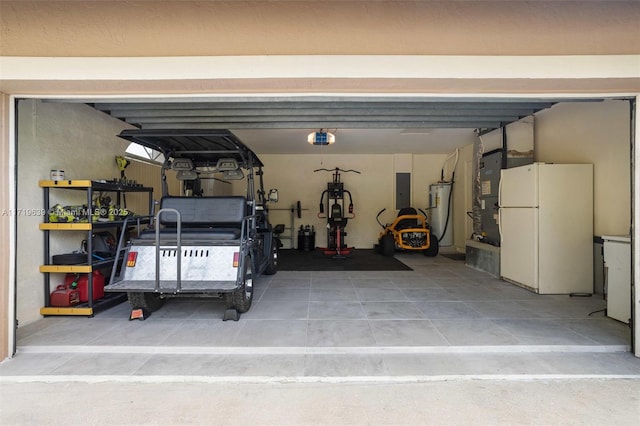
<point x="203" y="147"/>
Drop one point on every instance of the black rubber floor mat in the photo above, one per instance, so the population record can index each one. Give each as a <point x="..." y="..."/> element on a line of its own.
<point x="358" y="260"/>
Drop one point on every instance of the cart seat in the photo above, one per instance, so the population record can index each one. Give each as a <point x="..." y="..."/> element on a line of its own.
<point x="218" y="218"/>
<point x="407" y="223"/>
<point x="336" y="218"/>
<point x="170" y="234"/>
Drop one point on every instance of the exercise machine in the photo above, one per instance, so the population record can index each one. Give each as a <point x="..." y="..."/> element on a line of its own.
<point x="334" y="202"/>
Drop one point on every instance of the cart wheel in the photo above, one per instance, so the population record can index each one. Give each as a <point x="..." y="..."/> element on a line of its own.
<point x="272" y="265"/>
<point x="241" y="298"/>
<point x="434" y="246"/>
<point x="149" y="301"/>
<point x="388" y="245"/>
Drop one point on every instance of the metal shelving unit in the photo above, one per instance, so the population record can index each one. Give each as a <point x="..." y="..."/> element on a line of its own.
<point x="90" y="307"/>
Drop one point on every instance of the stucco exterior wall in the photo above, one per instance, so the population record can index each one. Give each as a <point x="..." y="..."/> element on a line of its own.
<point x="213" y="28"/>
<point x="5" y="218"/>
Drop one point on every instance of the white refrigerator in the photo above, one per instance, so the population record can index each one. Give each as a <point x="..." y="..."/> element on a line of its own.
<point x="546" y="227"/>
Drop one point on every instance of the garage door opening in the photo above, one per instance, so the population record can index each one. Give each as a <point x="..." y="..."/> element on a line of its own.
<point x="441" y="302"/>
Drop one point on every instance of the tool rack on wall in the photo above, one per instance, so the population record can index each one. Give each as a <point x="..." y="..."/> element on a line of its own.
<point x="89" y="226"/>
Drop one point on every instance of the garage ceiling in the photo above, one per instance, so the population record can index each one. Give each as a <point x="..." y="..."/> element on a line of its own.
<point x="354" y="113"/>
<point x="363" y="124"/>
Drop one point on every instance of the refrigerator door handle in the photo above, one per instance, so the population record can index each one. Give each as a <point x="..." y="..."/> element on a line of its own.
<point x="500" y="222"/>
<point x="500" y="207"/>
<point x="500" y="192"/>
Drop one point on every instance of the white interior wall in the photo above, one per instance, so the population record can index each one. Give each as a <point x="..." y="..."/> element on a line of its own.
<point x="149" y="175"/>
<point x="83" y="143"/>
<point x="372" y="190"/>
<point x="598" y="133"/>
<point x="295" y="179"/>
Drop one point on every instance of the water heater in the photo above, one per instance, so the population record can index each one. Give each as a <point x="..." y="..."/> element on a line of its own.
<point x="440" y="209"/>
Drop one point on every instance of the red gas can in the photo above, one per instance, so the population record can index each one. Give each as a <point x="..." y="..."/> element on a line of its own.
<point x="82" y="285"/>
<point x="64" y="296"/>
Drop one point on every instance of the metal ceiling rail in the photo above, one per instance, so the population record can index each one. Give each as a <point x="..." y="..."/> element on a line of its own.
<point x="291" y="112"/>
<point x="332" y="125"/>
<point x="222" y="112"/>
<point x="332" y="114"/>
<point x="320" y="118"/>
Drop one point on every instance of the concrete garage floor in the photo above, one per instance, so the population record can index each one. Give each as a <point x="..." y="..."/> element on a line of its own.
<point x="336" y="336"/>
<point x="339" y="324"/>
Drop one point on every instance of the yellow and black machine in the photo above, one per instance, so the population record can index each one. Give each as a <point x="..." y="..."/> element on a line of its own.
<point x="409" y="231"/>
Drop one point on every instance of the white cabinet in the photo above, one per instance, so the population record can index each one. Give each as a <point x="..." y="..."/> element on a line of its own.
<point x="617" y="261"/>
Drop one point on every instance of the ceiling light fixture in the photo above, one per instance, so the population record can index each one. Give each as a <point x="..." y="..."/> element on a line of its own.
<point x="321" y="137"/>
